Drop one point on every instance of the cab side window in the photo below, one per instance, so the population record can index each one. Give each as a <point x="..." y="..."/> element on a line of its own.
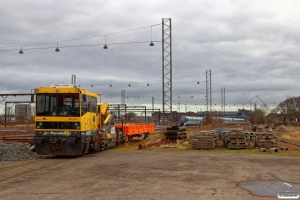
<point x="83" y="100"/>
<point x="93" y="104"/>
<point x="88" y="103"/>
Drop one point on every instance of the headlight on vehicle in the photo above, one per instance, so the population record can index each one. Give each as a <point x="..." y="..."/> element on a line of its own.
<point x="77" y="125"/>
<point x="39" y="125"/>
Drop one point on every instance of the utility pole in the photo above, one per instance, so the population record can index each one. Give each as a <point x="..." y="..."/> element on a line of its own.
<point x="123" y="97"/>
<point x="208" y="91"/>
<point x="152" y="104"/>
<point x="123" y="104"/>
<point x="73" y="79"/>
<point x="223" y="101"/>
<point x="166" y="67"/>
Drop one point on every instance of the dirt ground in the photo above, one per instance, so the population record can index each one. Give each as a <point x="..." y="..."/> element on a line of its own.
<point x="152" y="175"/>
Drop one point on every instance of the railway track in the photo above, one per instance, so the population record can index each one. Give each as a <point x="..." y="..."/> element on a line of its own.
<point x="14" y="136"/>
<point x="292" y="144"/>
<point x="4" y="133"/>
<point x="17" y="171"/>
<point x="14" y="139"/>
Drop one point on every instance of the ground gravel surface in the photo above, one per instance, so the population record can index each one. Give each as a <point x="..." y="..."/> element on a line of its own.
<point x="16" y="152"/>
<point x="153" y="176"/>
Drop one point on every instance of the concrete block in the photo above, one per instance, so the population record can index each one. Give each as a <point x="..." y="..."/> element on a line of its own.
<point x="263" y="149"/>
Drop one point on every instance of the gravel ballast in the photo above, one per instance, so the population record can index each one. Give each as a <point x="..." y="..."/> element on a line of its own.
<point x="16" y="152"/>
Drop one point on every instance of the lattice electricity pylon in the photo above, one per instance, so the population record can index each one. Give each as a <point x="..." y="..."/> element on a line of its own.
<point x="73" y="80"/>
<point x="122" y="112"/>
<point x="223" y="100"/>
<point x="123" y="97"/>
<point x="264" y="106"/>
<point x="152" y="104"/>
<point x="166" y="67"/>
<point x="208" y="91"/>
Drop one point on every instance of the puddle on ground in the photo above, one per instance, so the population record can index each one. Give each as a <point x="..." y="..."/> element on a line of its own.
<point x="269" y="188"/>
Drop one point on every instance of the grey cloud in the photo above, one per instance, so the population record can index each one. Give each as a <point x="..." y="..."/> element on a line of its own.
<point x="251" y="48"/>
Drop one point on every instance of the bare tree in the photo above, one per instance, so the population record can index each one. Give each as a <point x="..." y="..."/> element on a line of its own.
<point x="129" y="117"/>
<point x="9" y="114"/>
<point x="258" y="117"/>
<point x="288" y="110"/>
<point x="297" y="108"/>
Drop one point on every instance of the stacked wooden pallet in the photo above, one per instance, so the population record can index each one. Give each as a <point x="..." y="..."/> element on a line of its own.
<point x="203" y="140"/>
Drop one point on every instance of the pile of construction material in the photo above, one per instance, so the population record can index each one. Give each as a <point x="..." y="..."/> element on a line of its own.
<point x="203" y="140"/>
<point x="236" y="139"/>
<point x="239" y="139"/>
<point x="218" y="131"/>
<point x="266" y="139"/>
<point x="16" y="152"/>
<point x="175" y="133"/>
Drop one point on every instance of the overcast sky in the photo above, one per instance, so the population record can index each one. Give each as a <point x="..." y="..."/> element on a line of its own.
<point x="251" y="48"/>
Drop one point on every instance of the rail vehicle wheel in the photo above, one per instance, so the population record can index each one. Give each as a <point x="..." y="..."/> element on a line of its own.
<point x="101" y="142"/>
<point x="124" y="137"/>
<point x="84" y="148"/>
<point x="145" y="136"/>
<point x="119" y="138"/>
<point x="91" y="147"/>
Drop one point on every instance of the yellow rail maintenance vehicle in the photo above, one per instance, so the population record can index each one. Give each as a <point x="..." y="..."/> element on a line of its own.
<point x="70" y="122"/>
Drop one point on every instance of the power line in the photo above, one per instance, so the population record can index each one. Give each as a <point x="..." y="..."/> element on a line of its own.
<point x="186" y="76"/>
<point x="110" y="81"/>
<point x="85" y="45"/>
<point x="88" y="37"/>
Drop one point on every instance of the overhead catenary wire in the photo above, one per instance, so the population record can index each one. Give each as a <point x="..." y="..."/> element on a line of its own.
<point x="148" y="83"/>
<point x="109" y="82"/>
<point x="75" y="39"/>
<point x="75" y="46"/>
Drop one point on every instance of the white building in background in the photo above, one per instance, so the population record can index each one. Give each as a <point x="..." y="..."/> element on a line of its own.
<point x="23" y="110"/>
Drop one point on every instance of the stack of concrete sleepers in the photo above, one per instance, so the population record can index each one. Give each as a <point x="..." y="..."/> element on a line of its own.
<point x="266" y="140"/>
<point x="175" y="133"/>
<point x="235" y="139"/>
<point x="220" y="131"/>
<point x="250" y="136"/>
<point x="203" y="140"/>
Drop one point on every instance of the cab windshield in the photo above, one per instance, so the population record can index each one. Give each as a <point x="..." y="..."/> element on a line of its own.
<point x="58" y="104"/>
